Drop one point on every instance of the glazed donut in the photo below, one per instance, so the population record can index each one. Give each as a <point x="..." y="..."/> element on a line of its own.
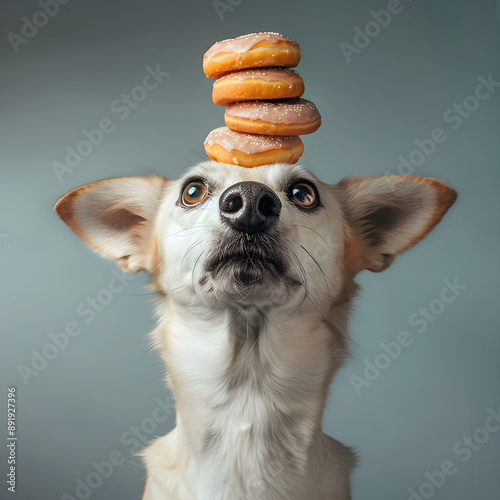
<point x="290" y="117"/>
<point x="252" y="84"/>
<point x="249" y="150"/>
<point x="256" y="50"/>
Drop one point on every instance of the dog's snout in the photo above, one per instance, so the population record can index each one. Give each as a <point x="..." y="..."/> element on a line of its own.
<point x="249" y="207"/>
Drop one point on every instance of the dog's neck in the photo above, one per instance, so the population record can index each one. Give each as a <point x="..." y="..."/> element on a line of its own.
<point x="250" y="388"/>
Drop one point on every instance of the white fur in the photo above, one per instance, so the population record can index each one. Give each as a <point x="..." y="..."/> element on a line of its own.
<point x="249" y="365"/>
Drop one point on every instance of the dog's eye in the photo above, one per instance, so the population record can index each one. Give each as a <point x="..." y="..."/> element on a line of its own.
<point x="194" y="193"/>
<point x="303" y="194"/>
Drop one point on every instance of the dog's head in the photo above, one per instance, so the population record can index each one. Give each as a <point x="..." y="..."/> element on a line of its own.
<point x="266" y="237"/>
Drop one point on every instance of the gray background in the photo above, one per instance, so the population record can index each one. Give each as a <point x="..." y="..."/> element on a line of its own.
<point x="395" y="91"/>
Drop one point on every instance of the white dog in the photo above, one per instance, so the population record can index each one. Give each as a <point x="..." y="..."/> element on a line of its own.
<point x="254" y="272"/>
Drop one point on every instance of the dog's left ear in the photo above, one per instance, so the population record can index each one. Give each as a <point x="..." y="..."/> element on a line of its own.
<point x="389" y="214"/>
<point x="115" y="217"/>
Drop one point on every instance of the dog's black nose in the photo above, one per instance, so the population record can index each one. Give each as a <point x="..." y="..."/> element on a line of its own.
<point x="249" y="207"/>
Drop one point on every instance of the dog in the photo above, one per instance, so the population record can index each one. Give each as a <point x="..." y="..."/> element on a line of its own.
<point x="254" y="274"/>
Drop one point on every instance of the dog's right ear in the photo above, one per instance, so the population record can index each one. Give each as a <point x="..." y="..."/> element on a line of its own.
<point x="115" y="217"/>
<point x="390" y="213"/>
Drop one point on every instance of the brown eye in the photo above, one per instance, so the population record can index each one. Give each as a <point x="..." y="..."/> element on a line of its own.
<point x="303" y="194"/>
<point x="194" y="193"/>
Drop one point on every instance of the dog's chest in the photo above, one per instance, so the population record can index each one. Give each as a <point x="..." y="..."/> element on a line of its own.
<point x="249" y="452"/>
<point x="256" y="441"/>
<point x="249" y="416"/>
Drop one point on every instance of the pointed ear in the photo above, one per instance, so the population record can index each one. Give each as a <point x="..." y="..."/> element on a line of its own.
<point x="389" y="214"/>
<point x="116" y="217"/>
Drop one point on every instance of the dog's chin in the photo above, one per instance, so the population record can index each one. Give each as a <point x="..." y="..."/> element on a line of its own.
<point x="247" y="271"/>
<point x="247" y="282"/>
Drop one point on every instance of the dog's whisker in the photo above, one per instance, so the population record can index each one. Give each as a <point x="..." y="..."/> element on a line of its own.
<point x="319" y="267"/>
<point x="314" y="231"/>
<point x="190" y="232"/>
<point x="268" y="320"/>
<point x="306" y="285"/>
<point x="319" y="311"/>
<point x="157" y="293"/>
<point x="194" y="227"/>
<point x="253" y="345"/>
<point x="237" y="281"/>
<point x="173" y="289"/>
<point x="194" y="245"/>
<point x="192" y="274"/>
<point x="200" y="156"/>
<point x="233" y="320"/>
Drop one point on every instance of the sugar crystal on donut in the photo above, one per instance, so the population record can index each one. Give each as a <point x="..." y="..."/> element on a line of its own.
<point x="250" y="150"/>
<point x="264" y="115"/>
<point x="250" y="51"/>
<point x="245" y="85"/>
<point x="286" y="117"/>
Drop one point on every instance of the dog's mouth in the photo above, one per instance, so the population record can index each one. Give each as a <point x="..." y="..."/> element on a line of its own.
<point x="250" y="258"/>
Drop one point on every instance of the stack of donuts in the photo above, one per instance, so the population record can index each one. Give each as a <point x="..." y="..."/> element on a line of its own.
<point x="264" y="112"/>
